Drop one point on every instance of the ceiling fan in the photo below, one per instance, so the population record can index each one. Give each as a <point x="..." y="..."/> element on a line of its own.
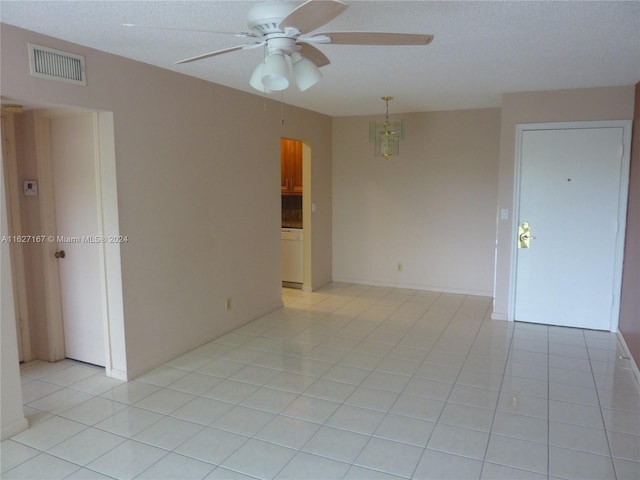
<point x="284" y="30"/>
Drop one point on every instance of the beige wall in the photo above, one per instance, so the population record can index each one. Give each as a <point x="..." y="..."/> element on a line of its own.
<point x="610" y="103"/>
<point x="432" y="208"/>
<point x="30" y="217"/>
<point x="198" y="176"/>
<point x="12" y="418"/>
<point x="630" y="300"/>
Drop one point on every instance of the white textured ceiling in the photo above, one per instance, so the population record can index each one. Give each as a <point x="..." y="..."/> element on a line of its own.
<point x="481" y="48"/>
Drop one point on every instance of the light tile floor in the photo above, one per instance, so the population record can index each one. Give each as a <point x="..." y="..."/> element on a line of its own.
<point x="350" y="382"/>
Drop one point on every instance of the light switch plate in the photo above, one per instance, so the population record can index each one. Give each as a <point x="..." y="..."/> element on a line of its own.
<point x="31" y="188"/>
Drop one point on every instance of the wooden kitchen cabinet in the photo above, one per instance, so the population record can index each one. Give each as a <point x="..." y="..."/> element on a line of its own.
<point x="291" y="166"/>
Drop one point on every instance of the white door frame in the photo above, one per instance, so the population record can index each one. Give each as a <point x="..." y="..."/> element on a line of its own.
<point x="15" y="229"/>
<point x="110" y="267"/>
<point x="622" y="205"/>
<point x="307" y="219"/>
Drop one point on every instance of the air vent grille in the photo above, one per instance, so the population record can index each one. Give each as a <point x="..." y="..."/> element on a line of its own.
<point x="56" y="65"/>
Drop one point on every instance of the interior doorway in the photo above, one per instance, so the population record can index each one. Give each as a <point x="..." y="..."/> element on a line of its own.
<point x="53" y="134"/>
<point x="572" y="190"/>
<point x="74" y="158"/>
<point x="292" y="190"/>
<point x="296" y="213"/>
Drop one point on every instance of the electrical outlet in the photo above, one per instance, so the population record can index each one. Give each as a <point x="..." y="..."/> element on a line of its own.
<point x="399" y="266"/>
<point x="227" y="304"/>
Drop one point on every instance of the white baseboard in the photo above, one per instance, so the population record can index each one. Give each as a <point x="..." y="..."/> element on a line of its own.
<point x="412" y="286"/>
<point x="117" y="374"/>
<point x="632" y="361"/>
<point x="13" y="429"/>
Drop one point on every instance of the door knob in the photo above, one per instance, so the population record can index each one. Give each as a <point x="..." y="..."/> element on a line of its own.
<point x="524" y="235"/>
<point x="60" y="254"/>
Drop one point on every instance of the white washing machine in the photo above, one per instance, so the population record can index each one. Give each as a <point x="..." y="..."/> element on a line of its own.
<point x="292" y="257"/>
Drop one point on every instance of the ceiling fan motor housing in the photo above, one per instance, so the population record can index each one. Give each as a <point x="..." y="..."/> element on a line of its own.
<point x="265" y="18"/>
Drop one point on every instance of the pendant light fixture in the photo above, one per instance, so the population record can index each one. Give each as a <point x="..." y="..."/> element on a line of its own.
<point x="386" y="135"/>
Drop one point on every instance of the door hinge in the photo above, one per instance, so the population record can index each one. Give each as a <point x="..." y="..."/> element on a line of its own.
<point x="6" y="146"/>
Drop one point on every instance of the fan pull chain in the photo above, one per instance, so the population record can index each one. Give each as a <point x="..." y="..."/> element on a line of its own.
<point x="281" y="107"/>
<point x="265" y="97"/>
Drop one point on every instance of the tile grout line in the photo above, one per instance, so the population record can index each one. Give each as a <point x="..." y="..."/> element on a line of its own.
<point x="495" y="410"/>
<point x="300" y="449"/>
<point x="371" y="436"/>
<point x="548" y="404"/>
<point x="453" y="385"/>
<point x="604" y="425"/>
<point x="404" y="388"/>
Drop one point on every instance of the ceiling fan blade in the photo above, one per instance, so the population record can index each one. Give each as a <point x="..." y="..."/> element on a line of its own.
<point x="315" y="55"/>
<point x="313" y="14"/>
<point x="179" y="29"/>
<point x="372" y="38"/>
<point x="213" y="54"/>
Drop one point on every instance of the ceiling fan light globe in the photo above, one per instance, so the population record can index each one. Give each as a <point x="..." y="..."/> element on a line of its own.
<point x="275" y="83"/>
<point x="256" y="79"/>
<point x="305" y="73"/>
<point x="275" y="74"/>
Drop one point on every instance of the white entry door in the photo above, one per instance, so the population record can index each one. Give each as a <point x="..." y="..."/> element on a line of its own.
<point x="74" y="155"/>
<point x="570" y="197"/>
